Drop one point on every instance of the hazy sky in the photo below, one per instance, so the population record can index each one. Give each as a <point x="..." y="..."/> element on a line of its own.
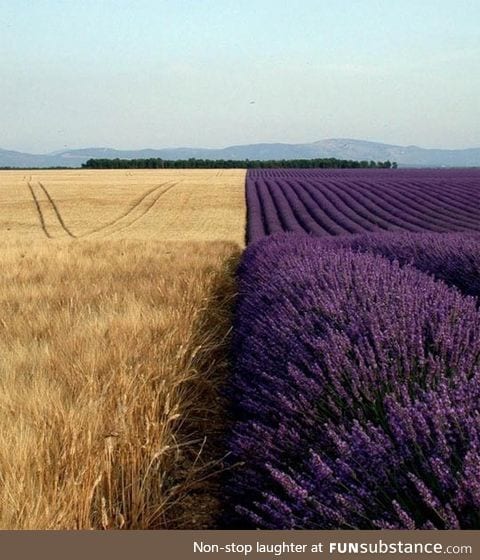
<point x="153" y="73"/>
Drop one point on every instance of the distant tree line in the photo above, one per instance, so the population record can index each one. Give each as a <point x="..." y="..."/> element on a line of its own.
<point x="192" y="163"/>
<point x="15" y="168"/>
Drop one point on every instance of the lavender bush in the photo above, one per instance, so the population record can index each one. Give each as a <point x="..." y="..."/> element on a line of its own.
<point x="355" y="393"/>
<point x="420" y="470"/>
<point x="451" y="257"/>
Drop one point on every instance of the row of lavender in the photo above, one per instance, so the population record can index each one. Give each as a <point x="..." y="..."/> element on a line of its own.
<point x="356" y="385"/>
<point x="335" y="202"/>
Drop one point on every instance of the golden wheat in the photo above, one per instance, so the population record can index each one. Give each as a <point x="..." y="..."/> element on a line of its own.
<point x="113" y="349"/>
<point x="181" y="205"/>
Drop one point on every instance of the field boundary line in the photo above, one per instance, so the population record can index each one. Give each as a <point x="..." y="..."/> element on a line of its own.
<point x="39" y="210"/>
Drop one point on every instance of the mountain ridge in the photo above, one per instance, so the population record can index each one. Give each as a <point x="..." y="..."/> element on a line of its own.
<point x="341" y="148"/>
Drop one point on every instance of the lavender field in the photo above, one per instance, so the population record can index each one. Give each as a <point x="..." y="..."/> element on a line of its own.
<point x="355" y="393"/>
<point x="338" y="201"/>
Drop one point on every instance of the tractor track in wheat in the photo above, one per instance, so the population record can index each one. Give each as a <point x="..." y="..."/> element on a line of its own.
<point x="39" y="210"/>
<point x="135" y="212"/>
<point x="56" y="210"/>
<point x="139" y="209"/>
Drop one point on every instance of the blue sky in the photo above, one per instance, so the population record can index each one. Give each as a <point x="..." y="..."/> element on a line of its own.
<point x="157" y="73"/>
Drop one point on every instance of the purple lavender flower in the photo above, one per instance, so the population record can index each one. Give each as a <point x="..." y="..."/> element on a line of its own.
<point x="355" y="394"/>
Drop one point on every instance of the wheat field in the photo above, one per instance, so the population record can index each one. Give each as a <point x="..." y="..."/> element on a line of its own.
<point x="167" y="205"/>
<point x="116" y="294"/>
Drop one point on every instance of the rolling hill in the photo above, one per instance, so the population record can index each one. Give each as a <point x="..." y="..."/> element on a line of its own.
<point x="342" y="148"/>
